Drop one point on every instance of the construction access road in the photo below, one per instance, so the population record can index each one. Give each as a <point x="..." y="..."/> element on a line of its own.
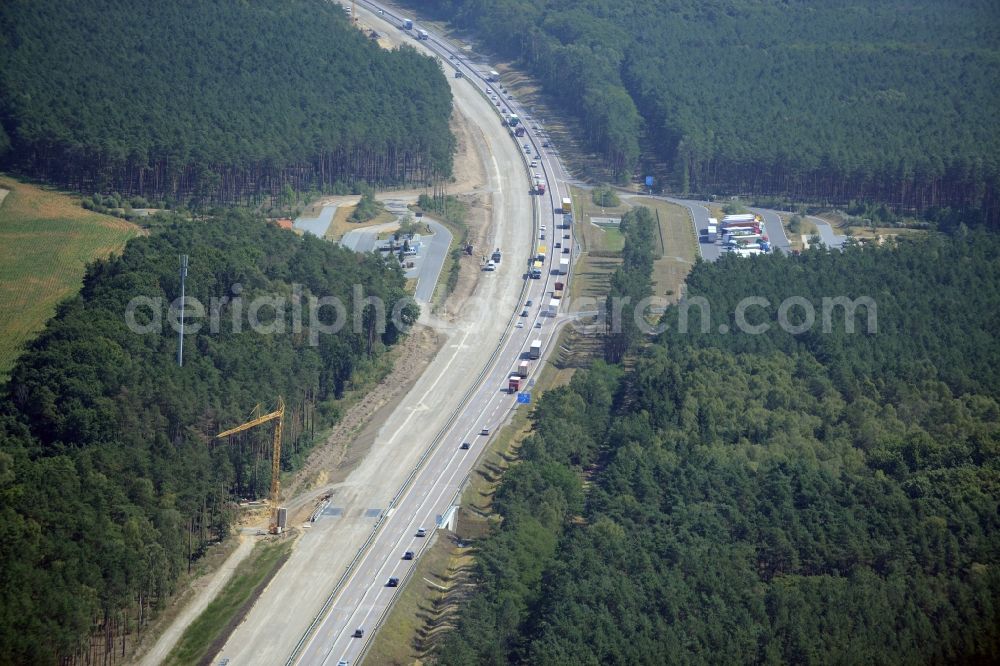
<point x="414" y="455"/>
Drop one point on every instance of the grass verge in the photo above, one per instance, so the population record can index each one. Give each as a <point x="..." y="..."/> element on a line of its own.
<point x="598" y="259"/>
<point x="678" y="250"/>
<point x="208" y="633"/>
<point x="426" y="607"/>
<point x="341" y="223"/>
<point x="46" y="241"/>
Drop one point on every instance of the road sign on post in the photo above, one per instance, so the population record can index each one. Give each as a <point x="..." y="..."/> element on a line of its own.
<point x="524" y="398"/>
<point x="649" y="184"/>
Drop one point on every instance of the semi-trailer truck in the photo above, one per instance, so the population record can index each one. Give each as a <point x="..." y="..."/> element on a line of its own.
<point x="567" y="205"/>
<point x="535" y="351"/>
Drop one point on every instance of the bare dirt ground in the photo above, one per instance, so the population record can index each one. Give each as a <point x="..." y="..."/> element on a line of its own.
<point x="351" y="439"/>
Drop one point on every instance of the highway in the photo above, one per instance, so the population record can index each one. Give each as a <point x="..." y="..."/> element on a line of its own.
<point x="364" y="598"/>
<point x="333" y="583"/>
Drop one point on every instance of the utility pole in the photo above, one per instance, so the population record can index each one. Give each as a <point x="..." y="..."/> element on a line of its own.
<point x="180" y="344"/>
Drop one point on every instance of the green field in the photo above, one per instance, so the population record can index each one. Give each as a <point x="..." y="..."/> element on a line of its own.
<point x="46" y="241"/>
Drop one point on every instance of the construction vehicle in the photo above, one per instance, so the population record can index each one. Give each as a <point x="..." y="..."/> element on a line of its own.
<point x="278" y="416"/>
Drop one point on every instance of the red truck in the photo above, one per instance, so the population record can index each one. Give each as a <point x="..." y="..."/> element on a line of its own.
<point x="514" y="384"/>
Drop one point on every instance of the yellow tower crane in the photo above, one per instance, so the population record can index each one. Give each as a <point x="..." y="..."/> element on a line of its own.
<point x="278" y="415"/>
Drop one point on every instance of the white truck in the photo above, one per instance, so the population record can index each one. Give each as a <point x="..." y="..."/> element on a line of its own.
<point x="535" y="351"/>
<point x="711" y="230"/>
<point x="422" y="34"/>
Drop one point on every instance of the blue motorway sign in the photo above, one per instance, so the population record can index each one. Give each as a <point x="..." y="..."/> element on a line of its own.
<point x="649" y="181"/>
<point x="524" y="398"/>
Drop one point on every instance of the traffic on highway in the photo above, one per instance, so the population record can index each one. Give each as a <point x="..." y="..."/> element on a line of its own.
<point x="356" y="608"/>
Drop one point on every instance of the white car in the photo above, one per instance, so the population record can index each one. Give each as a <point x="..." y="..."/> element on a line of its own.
<point x="519" y="324"/>
<point x="534" y="163"/>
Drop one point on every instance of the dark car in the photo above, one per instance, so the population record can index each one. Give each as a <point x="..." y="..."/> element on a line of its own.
<point x="393" y="582"/>
<point x="465" y="446"/>
<point x="358" y="633"/>
<point x="408" y="555"/>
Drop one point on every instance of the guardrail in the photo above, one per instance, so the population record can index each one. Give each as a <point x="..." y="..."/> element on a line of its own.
<point x="362" y="551"/>
<point x="487" y="369"/>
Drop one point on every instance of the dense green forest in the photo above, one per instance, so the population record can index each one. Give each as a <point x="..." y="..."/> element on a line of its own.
<point x="108" y="475"/>
<point x="858" y="100"/>
<point x="630" y="283"/>
<point x="771" y="498"/>
<point x="200" y="101"/>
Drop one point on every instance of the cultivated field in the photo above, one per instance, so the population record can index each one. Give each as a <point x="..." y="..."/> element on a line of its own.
<point x="46" y="241"/>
